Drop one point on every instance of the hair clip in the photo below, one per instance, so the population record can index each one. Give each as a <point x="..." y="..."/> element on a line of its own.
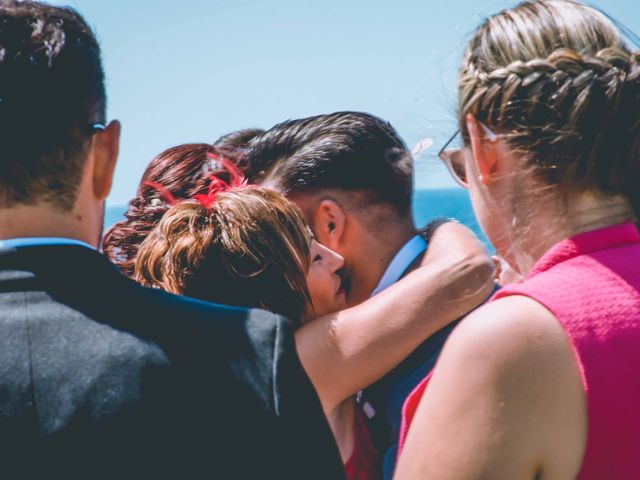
<point x="165" y="194"/>
<point x="217" y="185"/>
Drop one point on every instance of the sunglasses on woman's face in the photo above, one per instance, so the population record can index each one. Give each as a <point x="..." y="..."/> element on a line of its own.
<point x="452" y="155"/>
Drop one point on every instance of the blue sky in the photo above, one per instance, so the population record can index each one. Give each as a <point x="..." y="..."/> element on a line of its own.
<point x="193" y="70"/>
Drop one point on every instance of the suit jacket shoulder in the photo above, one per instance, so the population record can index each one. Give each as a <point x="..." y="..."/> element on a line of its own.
<point x="101" y="375"/>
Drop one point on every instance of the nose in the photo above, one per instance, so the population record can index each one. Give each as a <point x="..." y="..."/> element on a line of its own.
<point x="334" y="260"/>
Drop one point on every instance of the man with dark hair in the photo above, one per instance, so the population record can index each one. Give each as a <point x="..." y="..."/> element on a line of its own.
<point x="352" y="176"/>
<point x="100" y="377"/>
<point x="234" y="144"/>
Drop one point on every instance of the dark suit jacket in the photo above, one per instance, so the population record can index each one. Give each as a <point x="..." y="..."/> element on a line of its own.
<point x="100" y="377"/>
<point x="388" y="394"/>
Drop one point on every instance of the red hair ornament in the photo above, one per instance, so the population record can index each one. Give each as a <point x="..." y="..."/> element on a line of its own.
<point x="217" y="185"/>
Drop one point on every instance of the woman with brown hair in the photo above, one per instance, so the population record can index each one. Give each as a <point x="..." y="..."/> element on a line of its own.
<point x="183" y="170"/>
<point x="543" y="382"/>
<point x="247" y="246"/>
<point x="184" y="179"/>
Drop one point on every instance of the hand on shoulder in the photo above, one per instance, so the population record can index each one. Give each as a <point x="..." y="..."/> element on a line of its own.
<point x="465" y="267"/>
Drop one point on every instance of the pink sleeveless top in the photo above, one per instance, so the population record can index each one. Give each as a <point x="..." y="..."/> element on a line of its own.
<point x="591" y="283"/>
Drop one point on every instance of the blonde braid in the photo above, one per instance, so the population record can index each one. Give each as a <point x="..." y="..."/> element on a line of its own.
<point x="557" y="79"/>
<point x="565" y="70"/>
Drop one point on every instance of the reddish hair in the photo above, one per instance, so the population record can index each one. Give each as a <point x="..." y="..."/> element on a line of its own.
<point x="184" y="171"/>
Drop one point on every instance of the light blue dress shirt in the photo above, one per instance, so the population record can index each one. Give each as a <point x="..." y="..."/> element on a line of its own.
<point x="38" y="241"/>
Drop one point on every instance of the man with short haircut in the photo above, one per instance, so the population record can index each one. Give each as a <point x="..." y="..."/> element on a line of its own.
<point x="352" y="175"/>
<point x="100" y="377"/>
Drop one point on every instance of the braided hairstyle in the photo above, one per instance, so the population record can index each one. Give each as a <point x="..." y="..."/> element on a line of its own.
<point x="557" y="78"/>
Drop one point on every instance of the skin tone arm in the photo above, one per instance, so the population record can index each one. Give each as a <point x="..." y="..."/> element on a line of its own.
<point x="348" y="350"/>
<point x="505" y="401"/>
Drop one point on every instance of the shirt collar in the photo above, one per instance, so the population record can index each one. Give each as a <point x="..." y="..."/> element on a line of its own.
<point x="405" y="257"/>
<point x="41" y="241"/>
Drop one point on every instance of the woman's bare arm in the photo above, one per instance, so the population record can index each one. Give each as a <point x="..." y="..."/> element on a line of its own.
<point x="505" y="401"/>
<point x="348" y="350"/>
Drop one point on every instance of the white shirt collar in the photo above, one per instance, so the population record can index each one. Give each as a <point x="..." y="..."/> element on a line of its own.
<point x="405" y="257"/>
<point x="39" y="241"/>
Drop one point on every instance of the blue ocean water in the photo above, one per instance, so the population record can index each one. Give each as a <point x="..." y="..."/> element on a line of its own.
<point x="427" y="204"/>
<point x="113" y="214"/>
<point x="450" y="202"/>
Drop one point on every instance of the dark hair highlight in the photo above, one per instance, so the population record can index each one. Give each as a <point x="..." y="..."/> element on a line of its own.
<point x="350" y="151"/>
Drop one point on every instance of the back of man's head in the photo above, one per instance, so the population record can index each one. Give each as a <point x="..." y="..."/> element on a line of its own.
<point x="344" y="151"/>
<point x="51" y="94"/>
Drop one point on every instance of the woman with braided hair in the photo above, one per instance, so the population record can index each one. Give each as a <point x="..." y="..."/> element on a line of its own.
<point x="543" y="382"/>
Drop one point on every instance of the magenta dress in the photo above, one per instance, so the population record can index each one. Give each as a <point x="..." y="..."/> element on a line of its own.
<point x="591" y="283"/>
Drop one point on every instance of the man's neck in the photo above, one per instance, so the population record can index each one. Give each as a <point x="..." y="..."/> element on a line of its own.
<point x="374" y="254"/>
<point x="27" y="221"/>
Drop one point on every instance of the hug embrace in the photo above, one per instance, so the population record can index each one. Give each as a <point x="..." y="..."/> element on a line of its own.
<point x="269" y="309"/>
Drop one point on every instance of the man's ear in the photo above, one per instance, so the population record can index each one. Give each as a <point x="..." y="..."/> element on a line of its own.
<point x="105" y="145"/>
<point x="329" y="221"/>
<point x="484" y="151"/>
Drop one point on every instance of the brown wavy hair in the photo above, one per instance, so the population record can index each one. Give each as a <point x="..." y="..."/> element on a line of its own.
<point x="250" y="249"/>
<point x="184" y="171"/>
<point x="558" y="80"/>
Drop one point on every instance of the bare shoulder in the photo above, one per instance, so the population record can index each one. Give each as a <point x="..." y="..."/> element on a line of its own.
<point x="509" y="329"/>
<point x="506" y="396"/>
<point x="517" y="348"/>
<point x="514" y="363"/>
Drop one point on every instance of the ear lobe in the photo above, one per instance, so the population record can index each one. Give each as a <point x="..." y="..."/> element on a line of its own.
<point x="328" y="223"/>
<point x="484" y="153"/>
<point x="105" y="146"/>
